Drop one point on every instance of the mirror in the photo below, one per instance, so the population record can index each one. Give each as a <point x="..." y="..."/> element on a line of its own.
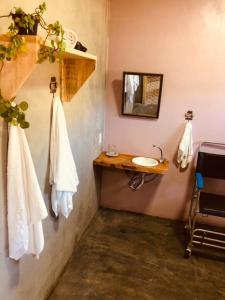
<point x="141" y="94"/>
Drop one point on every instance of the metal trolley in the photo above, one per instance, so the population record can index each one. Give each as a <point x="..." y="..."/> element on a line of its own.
<point x="209" y="165"/>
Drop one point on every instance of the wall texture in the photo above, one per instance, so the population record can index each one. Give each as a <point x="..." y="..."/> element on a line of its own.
<point x="31" y="278"/>
<point x="184" y="40"/>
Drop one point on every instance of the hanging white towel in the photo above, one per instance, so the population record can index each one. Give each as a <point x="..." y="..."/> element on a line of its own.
<point x="185" y="151"/>
<point x="26" y="207"/>
<point x="63" y="173"/>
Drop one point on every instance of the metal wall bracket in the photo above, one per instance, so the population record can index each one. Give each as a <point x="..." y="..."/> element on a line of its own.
<point x="53" y="85"/>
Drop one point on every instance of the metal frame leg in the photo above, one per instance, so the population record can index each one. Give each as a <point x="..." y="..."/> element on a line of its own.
<point x="194" y="208"/>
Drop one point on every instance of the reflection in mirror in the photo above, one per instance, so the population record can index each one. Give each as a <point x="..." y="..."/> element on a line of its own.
<point x="141" y="94"/>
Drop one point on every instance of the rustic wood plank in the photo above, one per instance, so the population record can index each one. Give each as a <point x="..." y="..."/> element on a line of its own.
<point x="15" y="72"/>
<point x="69" y="53"/>
<point x="73" y="74"/>
<point x="124" y="162"/>
<point x="75" y="68"/>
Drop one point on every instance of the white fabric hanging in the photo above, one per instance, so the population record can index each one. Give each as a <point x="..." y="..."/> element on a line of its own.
<point x="131" y="86"/>
<point x="26" y="207"/>
<point x="185" y="150"/>
<point x="63" y="174"/>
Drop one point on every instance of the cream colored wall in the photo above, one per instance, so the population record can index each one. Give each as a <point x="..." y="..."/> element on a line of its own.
<point x="30" y="278"/>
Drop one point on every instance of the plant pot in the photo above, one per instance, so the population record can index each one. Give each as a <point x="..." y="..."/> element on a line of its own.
<point x="22" y="30"/>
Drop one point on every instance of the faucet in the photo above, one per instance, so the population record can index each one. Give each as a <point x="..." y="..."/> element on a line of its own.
<point x="161" y="153"/>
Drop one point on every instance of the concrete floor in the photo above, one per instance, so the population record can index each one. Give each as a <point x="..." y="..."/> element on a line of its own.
<point x="125" y="256"/>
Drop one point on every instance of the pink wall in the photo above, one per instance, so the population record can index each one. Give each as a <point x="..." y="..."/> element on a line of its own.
<point x="185" y="41"/>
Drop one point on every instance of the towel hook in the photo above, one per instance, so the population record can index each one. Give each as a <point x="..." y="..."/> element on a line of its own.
<point x="189" y="115"/>
<point x="53" y="85"/>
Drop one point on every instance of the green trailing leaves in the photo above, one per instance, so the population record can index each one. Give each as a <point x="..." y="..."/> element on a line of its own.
<point x="26" y="23"/>
<point x="56" y="32"/>
<point x="15" y="46"/>
<point x="24" y="125"/>
<point x="23" y="105"/>
<point x="3" y="108"/>
<point x="13" y="113"/>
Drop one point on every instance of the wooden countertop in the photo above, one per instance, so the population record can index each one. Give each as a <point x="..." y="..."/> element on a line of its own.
<point x="124" y="162"/>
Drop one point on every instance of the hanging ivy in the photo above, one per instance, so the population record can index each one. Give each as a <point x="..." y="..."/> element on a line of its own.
<point x="27" y="23"/>
<point x="13" y="113"/>
<point x="22" y="24"/>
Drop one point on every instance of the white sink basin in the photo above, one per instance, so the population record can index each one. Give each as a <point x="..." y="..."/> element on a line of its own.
<point x="145" y="161"/>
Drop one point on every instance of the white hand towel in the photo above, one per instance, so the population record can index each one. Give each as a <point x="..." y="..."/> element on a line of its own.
<point x="185" y="151"/>
<point x="26" y="207"/>
<point x="63" y="173"/>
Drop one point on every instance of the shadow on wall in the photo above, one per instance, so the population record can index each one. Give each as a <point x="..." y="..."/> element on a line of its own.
<point x="98" y="181"/>
<point x="44" y="72"/>
<point x="14" y="272"/>
<point x="117" y="86"/>
<point x="115" y="182"/>
<point x="184" y="209"/>
<point x="47" y="186"/>
<point x="189" y="182"/>
<point x="4" y="146"/>
<point x="15" y="275"/>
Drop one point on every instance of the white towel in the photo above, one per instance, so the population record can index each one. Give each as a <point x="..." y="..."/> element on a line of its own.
<point x="185" y="151"/>
<point x="63" y="173"/>
<point x="26" y="207"/>
<point x="131" y="86"/>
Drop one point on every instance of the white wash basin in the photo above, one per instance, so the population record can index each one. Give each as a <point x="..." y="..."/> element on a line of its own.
<point x="145" y="161"/>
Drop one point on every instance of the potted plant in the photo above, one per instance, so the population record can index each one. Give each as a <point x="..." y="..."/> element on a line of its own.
<point x="27" y="24"/>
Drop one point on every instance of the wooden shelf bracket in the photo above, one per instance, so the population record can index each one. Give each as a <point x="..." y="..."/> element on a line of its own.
<point x="15" y="72"/>
<point x="73" y="74"/>
<point x="75" y="68"/>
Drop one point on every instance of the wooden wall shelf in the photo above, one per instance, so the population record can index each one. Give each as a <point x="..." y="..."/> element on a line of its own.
<point x="124" y="162"/>
<point x="74" y="69"/>
<point x="15" y="72"/>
